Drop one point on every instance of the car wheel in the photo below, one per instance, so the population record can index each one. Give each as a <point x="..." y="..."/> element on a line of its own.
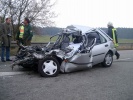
<point x="48" y="67"/>
<point x="108" y="60"/>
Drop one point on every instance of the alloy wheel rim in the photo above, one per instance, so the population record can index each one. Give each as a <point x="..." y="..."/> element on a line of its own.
<point x="108" y="59"/>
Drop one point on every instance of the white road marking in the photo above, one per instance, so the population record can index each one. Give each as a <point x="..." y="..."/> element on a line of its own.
<point x="11" y="73"/>
<point x="125" y="59"/>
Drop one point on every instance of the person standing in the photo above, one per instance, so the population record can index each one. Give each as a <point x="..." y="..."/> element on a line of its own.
<point x="24" y="36"/>
<point x="6" y="35"/>
<point x="112" y="32"/>
<point x="19" y="36"/>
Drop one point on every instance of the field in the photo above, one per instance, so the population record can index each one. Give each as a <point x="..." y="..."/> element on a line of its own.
<point x="46" y="38"/>
<point x="42" y="38"/>
<point x="125" y="40"/>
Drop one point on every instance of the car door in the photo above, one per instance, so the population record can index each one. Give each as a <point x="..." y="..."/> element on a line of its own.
<point x="100" y="49"/>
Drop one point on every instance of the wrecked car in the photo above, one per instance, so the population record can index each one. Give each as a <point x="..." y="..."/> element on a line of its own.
<point x="76" y="49"/>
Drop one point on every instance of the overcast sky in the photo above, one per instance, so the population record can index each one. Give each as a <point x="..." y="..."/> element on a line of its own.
<point x="94" y="13"/>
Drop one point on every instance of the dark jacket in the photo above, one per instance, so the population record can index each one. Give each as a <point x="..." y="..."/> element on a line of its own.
<point x="27" y="33"/>
<point x="110" y="31"/>
<point x="1" y="31"/>
<point x="4" y="34"/>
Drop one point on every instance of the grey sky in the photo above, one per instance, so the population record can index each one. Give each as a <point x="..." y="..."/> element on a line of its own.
<point x="94" y="13"/>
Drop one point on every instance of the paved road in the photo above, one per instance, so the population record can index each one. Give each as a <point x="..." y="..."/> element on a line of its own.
<point x="114" y="83"/>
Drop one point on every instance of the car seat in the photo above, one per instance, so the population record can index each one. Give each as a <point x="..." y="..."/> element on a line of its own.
<point x="90" y="42"/>
<point x="78" y="39"/>
<point x="65" y="43"/>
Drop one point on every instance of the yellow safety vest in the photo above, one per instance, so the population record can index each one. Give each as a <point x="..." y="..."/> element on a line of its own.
<point x="21" y="28"/>
<point x="115" y="37"/>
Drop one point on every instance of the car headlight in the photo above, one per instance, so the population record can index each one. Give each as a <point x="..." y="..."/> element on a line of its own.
<point x="38" y="56"/>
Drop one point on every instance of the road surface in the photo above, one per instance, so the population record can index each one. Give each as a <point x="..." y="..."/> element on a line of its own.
<point x="98" y="83"/>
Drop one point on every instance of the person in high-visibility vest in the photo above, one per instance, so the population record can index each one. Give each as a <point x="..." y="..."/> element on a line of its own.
<point x="112" y="32"/>
<point x="20" y="35"/>
<point x="25" y="33"/>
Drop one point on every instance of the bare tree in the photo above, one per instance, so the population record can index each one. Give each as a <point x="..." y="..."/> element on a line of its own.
<point x="38" y="11"/>
<point x="3" y="10"/>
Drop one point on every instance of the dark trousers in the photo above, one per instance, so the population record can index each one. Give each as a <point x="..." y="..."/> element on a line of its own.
<point x="19" y="42"/>
<point x="3" y="49"/>
<point x="117" y="54"/>
<point x="24" y="42"/>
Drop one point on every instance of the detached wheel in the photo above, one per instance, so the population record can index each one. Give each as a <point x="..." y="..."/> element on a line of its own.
<point x="108" y="60"/>
<point x="48" y="67"/>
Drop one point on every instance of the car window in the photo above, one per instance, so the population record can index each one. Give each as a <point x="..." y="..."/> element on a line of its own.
<point x="103" y="40"/>
<point x="93" y="35"/>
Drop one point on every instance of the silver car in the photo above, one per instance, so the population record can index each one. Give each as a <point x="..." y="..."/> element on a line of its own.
<point x="77" y="49"/>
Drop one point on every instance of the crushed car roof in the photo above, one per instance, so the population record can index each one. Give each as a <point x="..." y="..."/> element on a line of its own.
<point x="84" y="29"/>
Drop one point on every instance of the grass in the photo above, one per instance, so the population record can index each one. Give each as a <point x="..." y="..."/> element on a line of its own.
<point x="42" y="38"/>
<point x="125" y="40"/>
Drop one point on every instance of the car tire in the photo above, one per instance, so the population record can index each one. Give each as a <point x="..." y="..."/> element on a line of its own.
<point x="49" y="67"/>
<point x="108" y="60"/>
